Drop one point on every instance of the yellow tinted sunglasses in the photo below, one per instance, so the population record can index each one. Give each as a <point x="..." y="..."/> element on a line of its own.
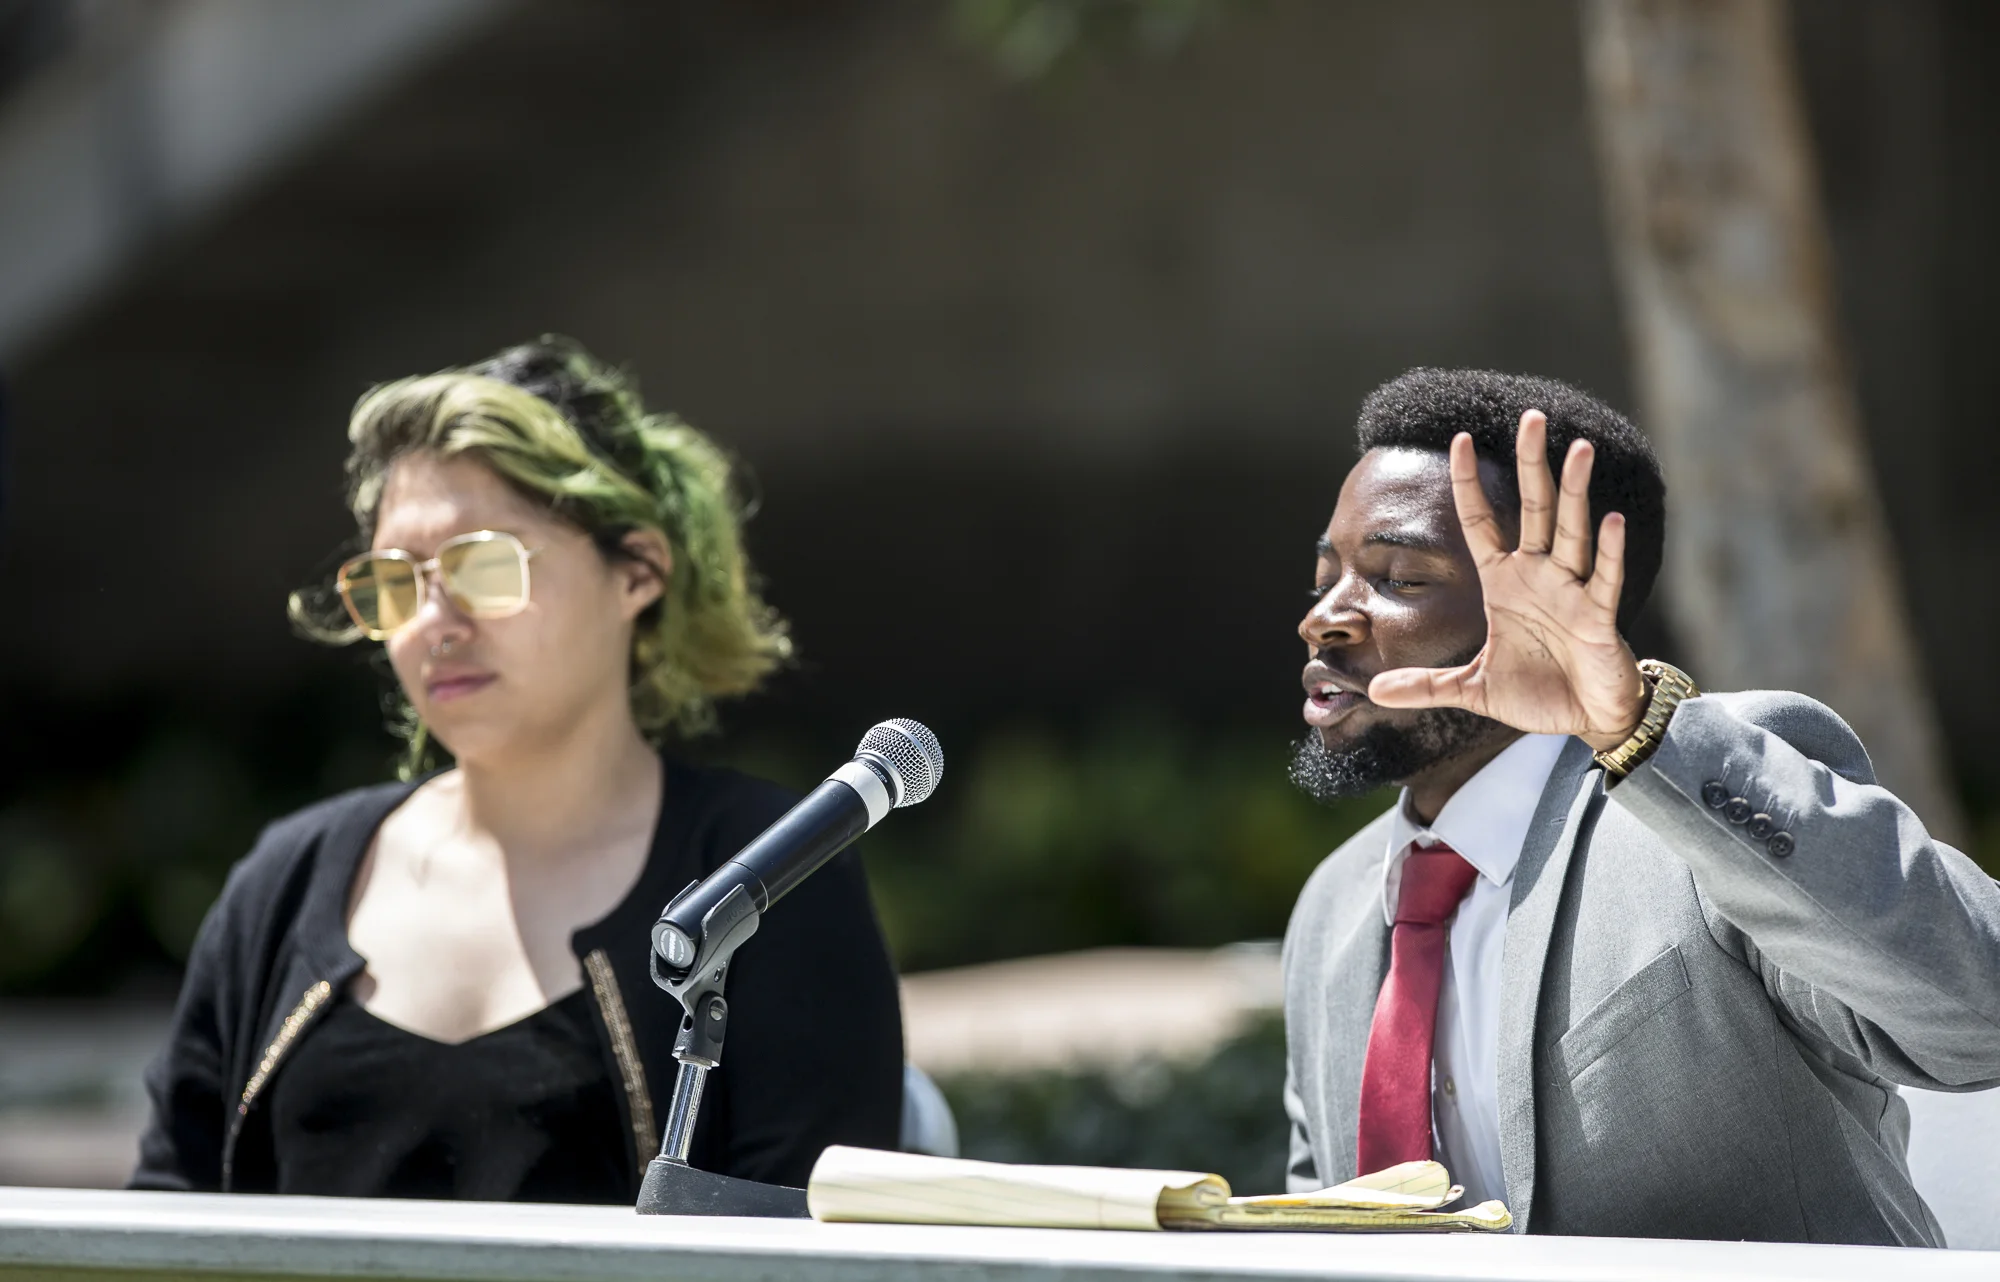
<point x="484" y="573"/>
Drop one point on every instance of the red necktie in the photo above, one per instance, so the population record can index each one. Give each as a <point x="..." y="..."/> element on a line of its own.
<point x="1396" y="1077"/>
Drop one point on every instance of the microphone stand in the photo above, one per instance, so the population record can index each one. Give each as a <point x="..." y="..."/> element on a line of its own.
<point x="671" y="1186"/>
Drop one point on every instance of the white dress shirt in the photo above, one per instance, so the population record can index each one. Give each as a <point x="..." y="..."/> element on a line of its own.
<point x="1485" y="821"/>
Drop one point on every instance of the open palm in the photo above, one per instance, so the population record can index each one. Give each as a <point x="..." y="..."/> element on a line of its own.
<point x="1553" y="662"/>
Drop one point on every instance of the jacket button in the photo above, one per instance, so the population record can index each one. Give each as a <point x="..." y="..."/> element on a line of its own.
<point x="1714" y="795"/>
<point x="1780" y="845"/>
<point x="1736" y="810"/>
<point x="1761" y="826"/>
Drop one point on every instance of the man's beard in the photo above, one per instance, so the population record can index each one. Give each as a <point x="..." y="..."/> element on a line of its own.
<point x="1385" y="754"/>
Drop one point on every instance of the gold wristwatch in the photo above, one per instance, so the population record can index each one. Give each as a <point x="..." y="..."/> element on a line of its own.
<point x="1670" y="687"/>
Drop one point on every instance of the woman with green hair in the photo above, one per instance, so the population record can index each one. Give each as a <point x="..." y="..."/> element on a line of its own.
<point x="439" y="988"/>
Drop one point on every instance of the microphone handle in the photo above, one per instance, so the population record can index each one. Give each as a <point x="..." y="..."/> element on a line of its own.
<point x="822" y="825"/>
<point x="805" y="837"/>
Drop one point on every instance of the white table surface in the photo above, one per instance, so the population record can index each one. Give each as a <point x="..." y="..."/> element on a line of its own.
<point x="116" y="1234"/>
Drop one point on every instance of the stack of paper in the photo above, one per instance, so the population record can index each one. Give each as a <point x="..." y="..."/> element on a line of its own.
<point x="869" y="1185"/>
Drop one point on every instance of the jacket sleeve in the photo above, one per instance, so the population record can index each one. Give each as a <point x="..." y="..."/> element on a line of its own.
<point x="815" y="1049"/>
<point x="187" y="1082"/>
<point x="1301" y="1170"/>
<point x="1874" y="939"/>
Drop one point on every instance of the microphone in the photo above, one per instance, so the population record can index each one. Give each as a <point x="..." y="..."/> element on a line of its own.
<point x="898" y="763"/>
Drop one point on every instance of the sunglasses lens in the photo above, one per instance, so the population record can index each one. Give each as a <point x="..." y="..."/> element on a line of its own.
<point x="486" y="578"/>
<point x="381" y="592"/>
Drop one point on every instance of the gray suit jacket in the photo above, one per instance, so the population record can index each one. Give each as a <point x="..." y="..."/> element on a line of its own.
<point x="1699" y="1033"/>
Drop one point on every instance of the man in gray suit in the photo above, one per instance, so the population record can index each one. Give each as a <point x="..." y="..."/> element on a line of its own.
<point x="1637" y="960"/>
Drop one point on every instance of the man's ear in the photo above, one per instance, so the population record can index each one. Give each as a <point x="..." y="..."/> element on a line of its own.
<point x="643" y="578"/>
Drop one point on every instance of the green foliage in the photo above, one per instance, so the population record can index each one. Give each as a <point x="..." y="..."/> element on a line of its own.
<point x="46" y="906"/>
<point x="1224" y="1114"/>
<point x="1028" y="39"/>
<point x="122" y="820"/>
<point x="146" y="848"/>
<point x="1141" y="832"/>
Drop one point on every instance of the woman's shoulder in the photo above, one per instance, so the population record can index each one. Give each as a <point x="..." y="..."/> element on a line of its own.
<point x="720" y="809"/>
<point x="308" y="826"/>
<point x="289" y="843"/>
<point x="328" y="813"/>
<point x="284" y="873"/>
<point x="720" y="789"/>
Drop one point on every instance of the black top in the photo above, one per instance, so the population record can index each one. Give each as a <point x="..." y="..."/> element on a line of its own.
<point x="815" y="1050"/>
<point x="522" y="1113"/>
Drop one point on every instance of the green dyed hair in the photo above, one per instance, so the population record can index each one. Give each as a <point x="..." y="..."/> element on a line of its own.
<point x="568" y="431"/>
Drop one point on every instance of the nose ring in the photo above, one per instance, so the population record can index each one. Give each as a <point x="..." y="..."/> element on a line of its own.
<point x="440" y="650"/>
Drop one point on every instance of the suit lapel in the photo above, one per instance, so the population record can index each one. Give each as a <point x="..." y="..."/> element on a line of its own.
<point x="1352" y="967"/>
<point x="1574" y="787"/>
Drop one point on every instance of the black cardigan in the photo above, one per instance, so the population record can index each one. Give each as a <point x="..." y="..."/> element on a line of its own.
<point x="815" y="1049"/>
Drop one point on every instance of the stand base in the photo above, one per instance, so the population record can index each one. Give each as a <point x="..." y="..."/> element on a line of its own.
<point x="675" y="1188"/>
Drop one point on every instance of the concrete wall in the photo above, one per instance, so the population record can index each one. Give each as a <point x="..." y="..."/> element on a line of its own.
<point x="161" y="109"/>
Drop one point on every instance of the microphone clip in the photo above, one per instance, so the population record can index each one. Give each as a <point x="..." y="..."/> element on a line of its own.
<point x="671" y="1186"/>
<point x="698" y="987"/>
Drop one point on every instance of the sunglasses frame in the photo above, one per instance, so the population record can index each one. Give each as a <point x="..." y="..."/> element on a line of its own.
<point x="423" y="570"/>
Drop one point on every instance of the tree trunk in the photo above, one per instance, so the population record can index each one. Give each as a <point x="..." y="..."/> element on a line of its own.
<point x="1780" y="571"/>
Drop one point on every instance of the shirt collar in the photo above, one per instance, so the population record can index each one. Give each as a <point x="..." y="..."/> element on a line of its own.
<point x="1485" y="821"/>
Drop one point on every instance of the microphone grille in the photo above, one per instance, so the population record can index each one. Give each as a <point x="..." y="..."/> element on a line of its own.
<point x="912" y="755"/>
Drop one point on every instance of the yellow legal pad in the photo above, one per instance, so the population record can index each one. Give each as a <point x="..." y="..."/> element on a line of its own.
<point x="873" y="1186"/>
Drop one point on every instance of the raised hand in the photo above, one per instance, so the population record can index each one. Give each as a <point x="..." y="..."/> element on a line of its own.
<point x="1553" y="662"/>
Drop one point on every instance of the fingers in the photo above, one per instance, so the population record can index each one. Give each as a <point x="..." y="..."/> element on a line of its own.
<point x="1425" y="688"/>
<point x="1571" y="549"/>
<point x="1531" y="466"/>
<point x="1475" y="514"/>
<point x="1607" y="580"/>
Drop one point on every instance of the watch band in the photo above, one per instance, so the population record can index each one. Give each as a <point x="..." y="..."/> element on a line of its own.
<point x="1671" y="687"/>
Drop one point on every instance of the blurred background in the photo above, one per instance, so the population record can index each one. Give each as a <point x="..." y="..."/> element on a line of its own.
<point x="1039" y="327"/>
